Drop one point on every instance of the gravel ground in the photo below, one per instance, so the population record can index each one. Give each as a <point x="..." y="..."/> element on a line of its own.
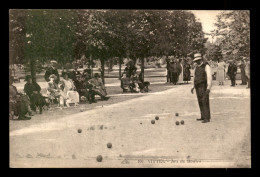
<point x="52" y="139"/>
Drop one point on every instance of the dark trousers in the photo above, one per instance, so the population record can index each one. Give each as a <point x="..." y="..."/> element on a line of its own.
<point x="174" y="77"/>
<point x="203" y="100"/>
<point x="233" y="79"/>
<point x="168" y="76"/>
<point x="243" y="78"/>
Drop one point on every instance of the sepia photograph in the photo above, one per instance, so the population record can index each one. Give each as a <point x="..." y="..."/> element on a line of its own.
<point x="129" y="88"/>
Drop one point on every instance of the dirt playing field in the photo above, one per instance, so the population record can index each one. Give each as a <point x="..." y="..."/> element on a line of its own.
<point x="52" y="139"/>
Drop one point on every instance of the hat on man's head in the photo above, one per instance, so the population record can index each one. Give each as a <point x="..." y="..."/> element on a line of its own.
<point x="197" y="56"/>
<point x="53" y="62"/>
<point x="27" y="77"/>
<point x="53" y="76"/>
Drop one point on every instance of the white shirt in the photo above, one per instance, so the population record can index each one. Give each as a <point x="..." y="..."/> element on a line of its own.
<point x="209" y="76"/>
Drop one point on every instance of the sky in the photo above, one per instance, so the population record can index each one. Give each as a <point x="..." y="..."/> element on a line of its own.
<point x="207" y="18"/>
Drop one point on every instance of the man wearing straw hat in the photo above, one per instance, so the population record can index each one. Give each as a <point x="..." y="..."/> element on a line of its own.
<point x="202" y="85"/>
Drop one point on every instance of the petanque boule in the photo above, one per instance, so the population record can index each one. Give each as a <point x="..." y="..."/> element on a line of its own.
<point x="109" y="145"/>
<point x="156" y="117"/>
<point x="176" y="114"/>
<point x="153" y="122"/>
<point x="177" y="123"/>
<point x="79" y="130"/>
<point x="99" y="158"/>
<point x="182" y="122"/>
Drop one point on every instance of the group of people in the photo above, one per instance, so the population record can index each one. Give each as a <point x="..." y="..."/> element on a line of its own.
<point x="232" y="72"/>
<point x="203" y="81"/>
<point x="178" y="72"/>
<point x="69" y="88"/>
<point x="131" y="81"/>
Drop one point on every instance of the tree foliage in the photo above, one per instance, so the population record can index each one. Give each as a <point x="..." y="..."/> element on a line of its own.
<point x="233" y="33"/>
<point x="65" y="35"/>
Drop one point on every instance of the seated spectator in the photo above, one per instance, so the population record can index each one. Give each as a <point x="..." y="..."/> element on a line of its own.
<point x="53" y="90"/>
<point x="98" y="87"/>
<point x="69" y="89"/>
<point x="84" y="88"/>
<point x="134" y="79"/>
<point x="125" y="82"/>
<point x="18" y="103"/>
<point x="32" y="89"/>
<point x="74" y="73"/>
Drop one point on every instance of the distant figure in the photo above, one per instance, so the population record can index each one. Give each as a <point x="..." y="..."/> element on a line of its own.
<point x="134" y="79"/>
<point x="232" y="71"/>
<point x="202" y="84"/>
<point x="247" y="72"/>
<point x="53" y="91"/>
<point x="168" y="73"/>
<point x="130" y="67"/>
<point x="186" y="71"/>
<point x="69" y="88"/>
<point x="32" y="89"/>
<point x="52" y="70"/>
<point x="243" y="73"/>
<point x="125" y="82"/>
<point x="221" y="72"/>
<point x="98" y="87"/>
<point x="18" y="103"/>
<point x="180" y="78"/>
<point x="175" y="70"/>
<point x="74" y="73"/>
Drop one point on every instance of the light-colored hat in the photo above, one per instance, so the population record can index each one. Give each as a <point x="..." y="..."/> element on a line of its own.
<point x="53" y="61"/>
<point x="197" y="56"/>
<point x="53" y="76"/>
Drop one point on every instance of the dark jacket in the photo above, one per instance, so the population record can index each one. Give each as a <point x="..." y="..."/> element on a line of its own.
<point x="200" y="75"/>
<point x="232" y="69"/>
<point x="129" y="70"/>
<point x="175" y="67"/>
<point x="29" y="88"/>
<point x="51" y="71"/>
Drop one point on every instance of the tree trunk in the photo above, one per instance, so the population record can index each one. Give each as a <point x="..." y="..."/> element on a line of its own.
<point x="120" y="66"/>
<point x="142" y="69"/>
<point x="102" y="70"/>
<point x="32" y="67"/>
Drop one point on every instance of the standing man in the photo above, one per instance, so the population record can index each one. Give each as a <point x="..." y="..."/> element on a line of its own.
<point x="247" y="72"/>
<point x="243" y="73"/>
<point x="202" y="85"/>
<point x="232" y="71"/>
<point x="52" y="70"/>
<point x="175" y="69"/>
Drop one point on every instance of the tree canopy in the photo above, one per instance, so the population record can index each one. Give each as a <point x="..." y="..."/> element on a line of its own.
<point x="66" y="35"/>
<point x="233" y="33"/>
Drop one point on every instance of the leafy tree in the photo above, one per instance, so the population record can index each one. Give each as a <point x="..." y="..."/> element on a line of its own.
<point x="16" y="35"/>
<point x="233" y="33"/>
<point x="50" y="34"/>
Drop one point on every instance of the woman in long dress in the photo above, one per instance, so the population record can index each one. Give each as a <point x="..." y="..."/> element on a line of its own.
<point x="53" y="91"/>
<point x="221" y="72"/>
<point x="180" y="80"/>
